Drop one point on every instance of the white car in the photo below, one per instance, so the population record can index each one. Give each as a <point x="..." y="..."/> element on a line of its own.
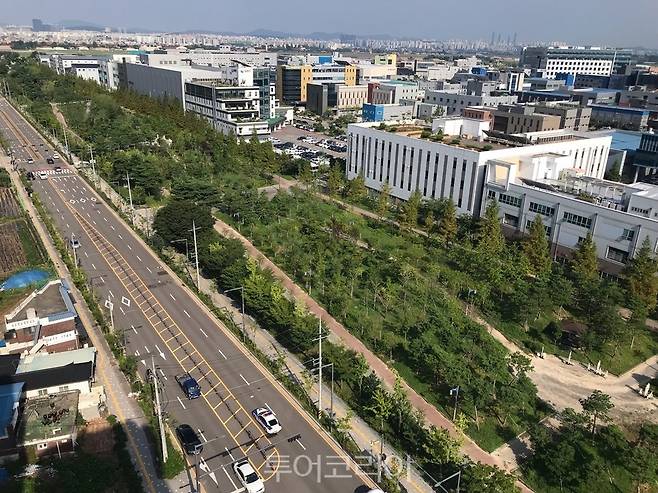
<point x="248" y="477"/>
<point x="55" y="155"/>
<point x="75" y="244"/>
<point x="267" y="419"/>
<point x="30" y="160"/>
<point x="43" y="175"/>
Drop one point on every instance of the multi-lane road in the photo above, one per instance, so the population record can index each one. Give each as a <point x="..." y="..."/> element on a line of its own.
<point x="165" y="324"/>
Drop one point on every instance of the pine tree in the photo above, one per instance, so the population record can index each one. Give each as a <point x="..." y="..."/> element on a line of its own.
<point x="448" y="223"/>
<point x="357" y="188"/>
<point x="641" y="280"/>
<point x="383" y="199"/>
<point x="491" y="240"/>
<point x="409" y="216"/>
<point x="536" y="248"/>
<point x="335" y="181"/>
<point x="584" y="264"/>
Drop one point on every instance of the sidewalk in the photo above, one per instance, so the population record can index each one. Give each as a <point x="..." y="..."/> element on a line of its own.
<point x="365" y="437"/>
<point x="125" y="408"/>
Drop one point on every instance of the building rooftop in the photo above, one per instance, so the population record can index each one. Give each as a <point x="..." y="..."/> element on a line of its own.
<point x="48" y="417"/>
<point x="51" y="301"/>
<point x="52" y="377"/>
<point x="39" y="361"/>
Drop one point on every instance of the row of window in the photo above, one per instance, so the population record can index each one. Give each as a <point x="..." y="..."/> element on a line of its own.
<point x="509" y="200"/>
<point x="582" y="221"/>
<point x="542" y="209"/>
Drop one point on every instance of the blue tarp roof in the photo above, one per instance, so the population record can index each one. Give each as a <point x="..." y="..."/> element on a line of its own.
<point x="9" y="395"/>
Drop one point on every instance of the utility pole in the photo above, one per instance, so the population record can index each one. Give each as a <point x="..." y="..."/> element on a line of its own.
<point x="196" y="257"/>
<point x="75" y="255"/>
<point x="455" y="392"/>
<point x="319" y="339"/>
<point x="93" y="163"/>
<point x="130" y="198"/>
<point x="163" y="439"/>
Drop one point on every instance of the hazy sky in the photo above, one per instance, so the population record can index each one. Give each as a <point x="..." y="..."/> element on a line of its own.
<point x="610" y="22"/>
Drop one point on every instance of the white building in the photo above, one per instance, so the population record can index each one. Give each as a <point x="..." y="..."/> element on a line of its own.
<point x="456" y="103"/>
<point x="228" y="108"/>
<point x="454" y="170"/>
<point x="571" y="204"/>
<point x="553" y="60"/>
<point x="209" y="58"/>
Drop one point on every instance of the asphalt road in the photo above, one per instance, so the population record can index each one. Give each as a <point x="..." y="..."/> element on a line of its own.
<point x="164" y="324"/>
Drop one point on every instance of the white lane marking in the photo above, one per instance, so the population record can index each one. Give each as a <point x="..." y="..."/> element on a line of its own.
<point x="111" y="294"/>
<point x="227" y="474"/>
<point x="160" y="351"/>
<point x="112" y="227"/>
<point x="134" y="329"/>
<point x="62" y="216"/>
<point x="136" y="352"/>
<point x="88" y="215"/>
<point x="121" y="308"/>
<point x="119" y="235"/>
<point x="125" y="301"/>
<point x="149" y="270"/>
<point x="163" y="374"/>
<point x="146" y="349"/>
<point x="139" y="259"/>
<point x="188" y="315"/>
<point x="245" y="380"/>
<point x="105" y="219"/>
<point x="181" y="402"/>
<point x="172" y="296"/>
<point x="129" y="247"/>
<point x="203" y="332"/>
<point x="220" y="352"/>
<point x="101" y="278"/>
<point x="92" y="265"/>
<point x="93" y="221"/>
<point x="300" y="444"/>
<point x="67" y="226"/>
<point x="230" y="455"/>
<point x="87" y="255"/>
<point x="202" y="435"/>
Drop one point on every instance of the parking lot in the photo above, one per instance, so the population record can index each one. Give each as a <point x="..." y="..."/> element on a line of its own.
<point x="314" y="141"/>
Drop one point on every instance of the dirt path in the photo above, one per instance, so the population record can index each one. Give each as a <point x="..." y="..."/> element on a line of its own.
<point x="340" y="334"/>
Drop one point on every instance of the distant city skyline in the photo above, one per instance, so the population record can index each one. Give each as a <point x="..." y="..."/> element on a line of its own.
<point x="591" y="22"/>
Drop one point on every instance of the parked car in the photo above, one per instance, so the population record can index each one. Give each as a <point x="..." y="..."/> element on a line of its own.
<point x="267" y="419"/>
<point x="248" y="477"/>
<point x="189" y="439"/>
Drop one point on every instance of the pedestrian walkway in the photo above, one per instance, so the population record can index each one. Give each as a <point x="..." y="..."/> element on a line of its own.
<point x="340" y="335"/>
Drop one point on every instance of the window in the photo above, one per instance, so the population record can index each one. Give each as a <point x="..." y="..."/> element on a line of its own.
<point x="63" y="388"/>
<point x="503" y="198"/>
<point x="511" y="220"/>
<point x="491" y="194"/>
<point x="584" y="222"/>
<point x="617" y="255"/>
<point x="638" y="210"/>
<point x="628" y="234"/>
<point x="528" y="223"/>
<point x="43" y="392"/>
<point x="42" y="446"/>
<point x="542" y="209"/>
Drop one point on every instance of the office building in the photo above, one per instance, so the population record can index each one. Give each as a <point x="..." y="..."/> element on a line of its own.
<point x="619" y="117"/>
<point x="386" y="112"/>
<point x="322" y="98"/>
<point x="456" y="103"/>
<point x="209" y="58"/>
<point x="513" y="119"/>
<point x="455" y="169"/>
<point x="392" y="92"/>
<point x="553" y="60"/>
<point x="572" y="205"/>
<point x="229" y="109"/>
<point x="292" y="80"/>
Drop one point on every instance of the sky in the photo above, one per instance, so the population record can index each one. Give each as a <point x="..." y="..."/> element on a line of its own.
<point x="593" y="22"/>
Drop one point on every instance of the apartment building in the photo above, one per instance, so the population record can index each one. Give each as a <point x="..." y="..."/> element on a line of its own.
<point x="551" y="61"/>
<point x="229" y="109"/>
<point x="443" y="169"/>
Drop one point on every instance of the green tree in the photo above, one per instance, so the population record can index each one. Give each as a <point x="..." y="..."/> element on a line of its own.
<point x="536" y="248"/>
<point x="614" y="173"/>
<point x="356" y="189"/>
<point x="409" y="216"/>
<point x="491" y="241"/>
<point x="335" y="181"/>
<point x="584" y="263"/>
<point x="484" y="478"/>
<point x="597" y="407"/>
<point x="381" y="407"/>
<point x="383" y="200"/>
<point x="440" y="448"/>
<point x="174" y="221"/>
<point x="448" y="222"/>
<point x="640" y="277"/>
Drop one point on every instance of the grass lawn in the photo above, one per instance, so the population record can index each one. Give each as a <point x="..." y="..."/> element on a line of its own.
<point x="34" y="250"/>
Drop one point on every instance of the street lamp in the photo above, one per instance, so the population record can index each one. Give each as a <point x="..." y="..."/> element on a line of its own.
<point x="110" y="306"/>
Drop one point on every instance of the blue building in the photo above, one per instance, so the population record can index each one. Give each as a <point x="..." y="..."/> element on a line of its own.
<point x="372" y="112"/>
